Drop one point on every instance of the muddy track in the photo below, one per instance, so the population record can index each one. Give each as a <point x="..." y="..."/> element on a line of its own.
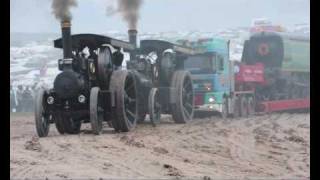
<point x="268" y="146"/>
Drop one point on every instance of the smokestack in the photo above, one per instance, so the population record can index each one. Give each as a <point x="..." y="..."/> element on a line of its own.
<point x="66" y="39"/>
<point x="133" y="37"/>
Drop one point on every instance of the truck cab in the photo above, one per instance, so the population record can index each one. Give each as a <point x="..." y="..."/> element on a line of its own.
<point x="210" y="73"/>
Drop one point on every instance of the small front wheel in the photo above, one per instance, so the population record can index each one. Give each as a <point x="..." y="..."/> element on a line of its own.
<point x="96" y="111"/>
<point x="154" y="106"/>
<point x="42" y="118"/>
<point x="65" y="124"/>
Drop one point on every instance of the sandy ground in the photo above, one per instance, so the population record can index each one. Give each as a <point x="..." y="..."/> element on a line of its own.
<point x="275" y="146"/>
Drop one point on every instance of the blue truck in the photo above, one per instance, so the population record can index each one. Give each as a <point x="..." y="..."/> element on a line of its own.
<point x="211" y="74"/>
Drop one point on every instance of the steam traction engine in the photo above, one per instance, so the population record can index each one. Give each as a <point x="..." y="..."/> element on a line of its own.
<point x="91" y="87"/>
<point x="162" y="84"/>
<point x="276" y="66"/>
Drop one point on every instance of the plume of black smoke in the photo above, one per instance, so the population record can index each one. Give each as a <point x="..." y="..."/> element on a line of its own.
<point x="129" y="9"/>
<point x="61" y="9"/>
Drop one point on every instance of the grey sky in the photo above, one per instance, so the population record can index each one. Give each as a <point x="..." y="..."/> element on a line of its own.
<point x="160" y="15"/>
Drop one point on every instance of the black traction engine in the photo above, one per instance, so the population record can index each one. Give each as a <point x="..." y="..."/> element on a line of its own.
<point x="162" y="84"/>
<point x="91" y="88"/>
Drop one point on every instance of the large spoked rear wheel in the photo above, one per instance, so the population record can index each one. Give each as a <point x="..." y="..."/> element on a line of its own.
<point x="42" y="118"/>
<point x="96" y="110"/>
<point x="154" y="106"/>
<point x="182" y="108"/>
<point x="123" y="86"/>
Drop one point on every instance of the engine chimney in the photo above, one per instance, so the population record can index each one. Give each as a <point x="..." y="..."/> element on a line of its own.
<point x="66" y="39"/>
<point x="133" y="37"/>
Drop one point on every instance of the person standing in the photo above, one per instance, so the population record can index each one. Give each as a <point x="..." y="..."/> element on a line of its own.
<point x="20" y="98"/>
<point x="13" y="100"/>
<point x="28" y="99"/>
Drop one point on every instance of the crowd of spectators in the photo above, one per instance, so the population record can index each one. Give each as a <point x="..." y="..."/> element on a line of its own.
<point x="22" y="98"/>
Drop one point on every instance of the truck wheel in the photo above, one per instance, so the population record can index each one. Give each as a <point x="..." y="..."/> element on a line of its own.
<point x="96" y="110"/>
<point x="41" y="117"/>
<point x="251" y="106"/>
<point x="244" y="107"/>
<point x="236" y="107"/>
<point x="154" y="106"/>
<point x="183" y="107"/>
<point x="123" y="86"/>
<point x="224" y="112"/>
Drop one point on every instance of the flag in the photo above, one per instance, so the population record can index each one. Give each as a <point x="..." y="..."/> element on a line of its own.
<point x="43" y="70"/>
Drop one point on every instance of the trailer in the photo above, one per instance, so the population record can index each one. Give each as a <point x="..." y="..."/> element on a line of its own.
<point x="272" y="76"/>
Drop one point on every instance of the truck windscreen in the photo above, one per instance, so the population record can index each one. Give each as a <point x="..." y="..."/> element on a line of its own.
<point x="200" y="64"/>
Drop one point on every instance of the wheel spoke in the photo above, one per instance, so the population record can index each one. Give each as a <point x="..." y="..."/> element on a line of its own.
<point x="100" y="109"/>
<point x="157" y="105"/>
<point x="186" y="84"/>
<point x="130" y="113"/>
<point x="127" y="97"/>
<point x="186" y="112"/>
<point x="129" y="87"/>
<point x="189" y="105"/>
<point x="132" y="100"/>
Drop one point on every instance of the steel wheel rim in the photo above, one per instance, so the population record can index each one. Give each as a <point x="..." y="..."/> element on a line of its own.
<point x="100" y="110"/>
<point x="130" y="99"/>
<point x="187" y="98"/>
<point x="156" y="108"/>
<point x="44" y="119"/>
<point x="41" y="117"/>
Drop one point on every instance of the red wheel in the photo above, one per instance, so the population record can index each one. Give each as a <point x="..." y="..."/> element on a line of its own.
<point x="244" y="107"/>
<point x="251" y="106"/>
<point x="236" y="107"/>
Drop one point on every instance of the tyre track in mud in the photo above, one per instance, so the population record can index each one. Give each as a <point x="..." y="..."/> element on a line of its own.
<point x="272" y="165"/>
<point x="243" y="149"/>
<point x="275" y="145"/>
<point x="192" y="148"/>
<point x="102" y="155"/>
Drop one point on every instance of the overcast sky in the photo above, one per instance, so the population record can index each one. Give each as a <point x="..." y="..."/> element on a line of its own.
<point x="159" y="15"/>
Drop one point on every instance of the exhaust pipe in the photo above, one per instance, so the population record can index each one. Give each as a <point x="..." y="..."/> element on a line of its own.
<point x="133" y="40"/>
<point x="133" y="37"/>
<point x="66" y="39"/>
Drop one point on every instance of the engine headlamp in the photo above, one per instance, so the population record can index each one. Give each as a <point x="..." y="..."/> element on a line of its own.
<point x="50" y="100"/>
<point x="82" y="98"/>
